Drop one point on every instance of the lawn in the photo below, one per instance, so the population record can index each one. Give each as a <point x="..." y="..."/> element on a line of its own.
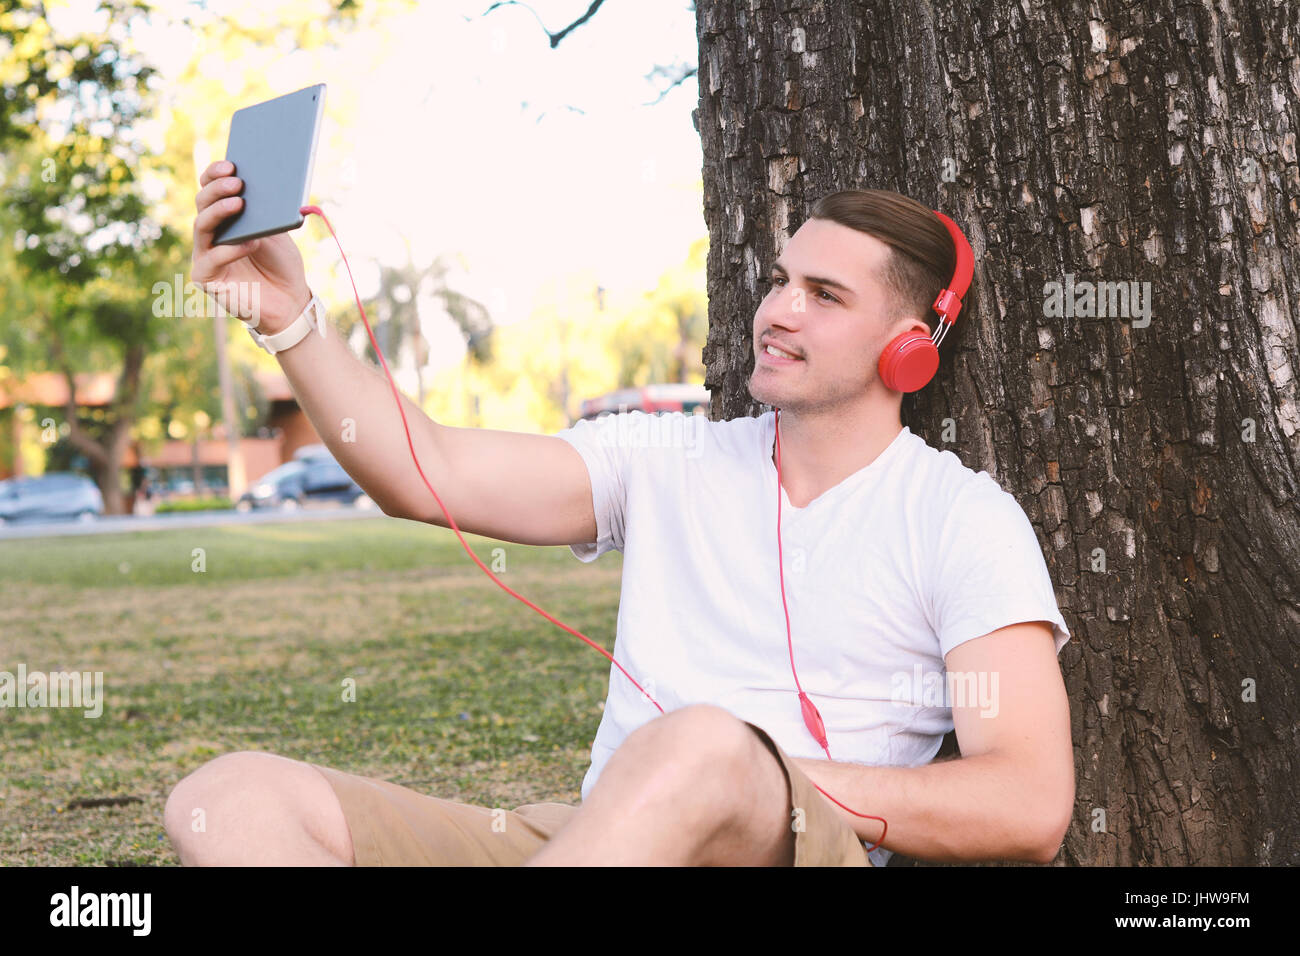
<point x="461" y="690"/>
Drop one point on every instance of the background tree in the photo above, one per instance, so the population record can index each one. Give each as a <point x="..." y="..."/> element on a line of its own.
<point x="87" y="193"/>
<point x="1158" y="462"/>
<point x="395" y="316"/>
<point x="76" y="213"/>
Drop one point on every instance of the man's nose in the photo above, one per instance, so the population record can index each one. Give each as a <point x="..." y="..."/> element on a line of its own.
<point x="782" y="307"/>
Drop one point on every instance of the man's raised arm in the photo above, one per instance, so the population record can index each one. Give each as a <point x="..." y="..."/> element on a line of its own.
<point x="530" y="489"/>
<point x="514" y="486"/>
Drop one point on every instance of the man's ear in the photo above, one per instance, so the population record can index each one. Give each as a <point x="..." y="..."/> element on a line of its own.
<point x="908" y="323"/>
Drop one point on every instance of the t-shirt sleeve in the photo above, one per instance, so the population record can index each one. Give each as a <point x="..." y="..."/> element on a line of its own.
<point x="990" y="571"/>
<point x="603" y="446"/>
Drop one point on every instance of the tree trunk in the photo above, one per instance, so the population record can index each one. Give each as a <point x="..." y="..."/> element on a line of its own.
<point x="1157" y="458"/>
<point x="106" y="456"/>
<point x="236" y="476"/>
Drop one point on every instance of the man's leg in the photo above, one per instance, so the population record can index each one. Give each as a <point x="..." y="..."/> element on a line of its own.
<point x="261" y="809"/>
<point x="693" y="787"/>
<point x="257" y="809"/>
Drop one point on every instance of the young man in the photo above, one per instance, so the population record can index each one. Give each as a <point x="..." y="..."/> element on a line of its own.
<point x="899" y="564"/>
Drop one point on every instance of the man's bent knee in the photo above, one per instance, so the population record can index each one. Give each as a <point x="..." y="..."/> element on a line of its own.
<point x="699" y="734"/>
<point x="716" y="770"/>
<point x="250" y="807"/>
<point x="701" y="750"/>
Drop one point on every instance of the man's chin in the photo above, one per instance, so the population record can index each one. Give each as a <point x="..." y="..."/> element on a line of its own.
<point x="760" y="393"/>
<point x="771" y="397"/>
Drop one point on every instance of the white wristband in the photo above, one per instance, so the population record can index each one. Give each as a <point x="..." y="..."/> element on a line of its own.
<point x="312" y="317"/>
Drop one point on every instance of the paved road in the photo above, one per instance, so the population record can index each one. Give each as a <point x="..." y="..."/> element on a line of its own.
<point x="193" y="519"/>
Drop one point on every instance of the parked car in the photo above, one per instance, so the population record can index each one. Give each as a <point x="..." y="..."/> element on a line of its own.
<point x="59" y="495"/>
<point x="669" y="397"/>
<point x="304" y="482"/>
<point x="318" y="450"/>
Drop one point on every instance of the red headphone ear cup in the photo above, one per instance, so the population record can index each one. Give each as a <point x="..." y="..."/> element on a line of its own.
<point x="909" y="362"/>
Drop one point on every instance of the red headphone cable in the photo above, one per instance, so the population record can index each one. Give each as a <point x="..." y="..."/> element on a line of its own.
<point x="811" y="717"/>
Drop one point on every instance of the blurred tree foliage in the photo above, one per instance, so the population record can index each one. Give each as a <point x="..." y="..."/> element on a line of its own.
<point x="90" y="222"/>
<point x="582" y="340"/>
<point x="76" y="219"/>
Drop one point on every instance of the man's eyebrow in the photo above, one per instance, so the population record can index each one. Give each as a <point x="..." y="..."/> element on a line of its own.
<point x="815" y="280"/>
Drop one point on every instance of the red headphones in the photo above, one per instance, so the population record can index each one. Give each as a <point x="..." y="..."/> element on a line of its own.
<point x="910" y="360"/>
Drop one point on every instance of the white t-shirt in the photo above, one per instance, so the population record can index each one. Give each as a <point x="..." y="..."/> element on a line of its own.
<point x="884" y="574"/>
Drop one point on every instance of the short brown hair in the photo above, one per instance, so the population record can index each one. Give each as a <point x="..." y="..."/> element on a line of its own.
<point x="922" y="256"/>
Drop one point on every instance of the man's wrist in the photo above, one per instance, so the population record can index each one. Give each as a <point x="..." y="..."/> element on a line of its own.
<point x="268" y="326"/>
<point x="842" y="779"/>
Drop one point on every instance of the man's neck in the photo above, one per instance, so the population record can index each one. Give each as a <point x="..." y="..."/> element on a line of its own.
<point x="821" y="449"/>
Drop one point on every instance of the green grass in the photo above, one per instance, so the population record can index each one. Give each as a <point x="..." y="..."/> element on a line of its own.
<point x="461" y="690"/>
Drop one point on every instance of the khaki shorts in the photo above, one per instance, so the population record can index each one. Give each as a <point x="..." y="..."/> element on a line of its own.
<point x="396" y="826"/>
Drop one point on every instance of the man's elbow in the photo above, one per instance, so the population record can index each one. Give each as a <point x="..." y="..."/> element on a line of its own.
<point x="1050" y="833"/>
<point x="391" y="508"/>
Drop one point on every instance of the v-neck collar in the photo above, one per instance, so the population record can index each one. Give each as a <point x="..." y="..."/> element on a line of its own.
<point x="877" y="465"/>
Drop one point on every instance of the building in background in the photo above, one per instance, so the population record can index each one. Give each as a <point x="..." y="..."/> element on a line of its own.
<point x="176" y="467"/>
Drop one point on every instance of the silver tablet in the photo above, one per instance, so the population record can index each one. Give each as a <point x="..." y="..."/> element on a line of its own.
<point x="273" y="147"/>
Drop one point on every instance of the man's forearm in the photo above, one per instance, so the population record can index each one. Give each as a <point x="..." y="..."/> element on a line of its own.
<point x="969" y="809"/>
<point x="351" y="406"/>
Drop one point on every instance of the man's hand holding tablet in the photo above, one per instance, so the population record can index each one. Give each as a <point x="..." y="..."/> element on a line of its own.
<point x="242" y="255"/>
<point x="272" y="264"/>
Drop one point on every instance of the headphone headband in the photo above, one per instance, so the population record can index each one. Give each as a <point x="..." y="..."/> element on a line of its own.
<point x="911" y="359"/>
<point x="948" y="303"/>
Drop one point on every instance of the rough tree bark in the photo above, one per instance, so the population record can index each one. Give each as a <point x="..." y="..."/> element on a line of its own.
<point x="1152" y="143"/>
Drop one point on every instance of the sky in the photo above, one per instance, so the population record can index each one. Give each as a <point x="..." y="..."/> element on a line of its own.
<point x="467" y="135"/>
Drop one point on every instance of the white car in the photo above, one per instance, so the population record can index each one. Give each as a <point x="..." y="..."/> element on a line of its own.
<point x="55" y="496"/>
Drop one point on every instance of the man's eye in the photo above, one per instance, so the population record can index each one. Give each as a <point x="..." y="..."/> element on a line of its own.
<point x="828" y="295"/>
